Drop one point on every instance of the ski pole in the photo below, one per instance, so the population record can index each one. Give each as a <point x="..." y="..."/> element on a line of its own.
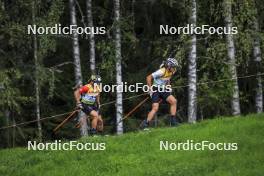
<point x="133" y="110"/>
<point x="65" y="121"/>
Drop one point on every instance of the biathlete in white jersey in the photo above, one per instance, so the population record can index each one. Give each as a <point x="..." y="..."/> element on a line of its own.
<point x="160" y="89"/>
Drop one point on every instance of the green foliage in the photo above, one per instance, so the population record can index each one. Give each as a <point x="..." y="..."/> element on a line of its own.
<point x="214" y="67"/>
<point x="49" y="17"/>
<point x="10" y="95"/>
<point x="106" y="52"/>
<point x="143" y="50"/>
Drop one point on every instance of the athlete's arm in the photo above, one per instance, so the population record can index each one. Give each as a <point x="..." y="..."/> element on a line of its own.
<point x="77" y="96"/>
<point x="149" y="80"/>
<point x="78" y="92"/>
<point x="157" y="74"/>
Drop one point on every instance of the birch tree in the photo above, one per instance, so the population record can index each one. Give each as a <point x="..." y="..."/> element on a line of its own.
<point x="235" y="103"/>
<point x="7" y="116"/>
<point x="192" y="76"/>
<point x="119" y="95"/>
<point x="91" y="36"/>
<point x="37" y="83"/>
<point x="257" y="59"/>
<point x="77" y="64"/>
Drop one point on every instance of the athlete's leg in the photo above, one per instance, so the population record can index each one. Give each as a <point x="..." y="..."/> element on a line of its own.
<point x="100" y="124"/>
<point x="173" y="104"/>
<point x="94" y="117"/>
<point x="173" y="108"/>
<point x="155" y="108"/>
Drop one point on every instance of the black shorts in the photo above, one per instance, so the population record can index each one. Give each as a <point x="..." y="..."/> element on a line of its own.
<point x="157" y="96"/>
<point x="87" y="109"/>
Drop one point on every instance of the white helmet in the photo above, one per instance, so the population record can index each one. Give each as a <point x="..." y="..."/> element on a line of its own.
<point x="171" y="62"/>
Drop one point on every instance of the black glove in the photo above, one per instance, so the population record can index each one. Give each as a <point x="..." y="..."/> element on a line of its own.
<point x="150" y="93"/>
<point x="79" y="106"/>
<point x="98" y="105"/>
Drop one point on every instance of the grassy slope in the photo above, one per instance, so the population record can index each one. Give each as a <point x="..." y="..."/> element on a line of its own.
<point x="139" y="154"/>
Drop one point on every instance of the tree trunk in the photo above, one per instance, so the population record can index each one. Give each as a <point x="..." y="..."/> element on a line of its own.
<point x="2" y="5"/>
<point x="201" y="113"/>
<point x="84" y="125"/>
<point x="235" y="104"/>
<point x="7" y="115"/>
<point x="257" y="59"/>
<point x="192" y="76"/>
<point x="37" y="91"/>
<point x="119" y="95"/>
<point x="14" y="132"/>
<point x="133" y="14"/>
<point x="75" y="45"/>
<point x="77" y="63"/>
<point x="91" y="36"/>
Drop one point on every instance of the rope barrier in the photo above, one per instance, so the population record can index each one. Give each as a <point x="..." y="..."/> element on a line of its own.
<point x="32" y="121"/>
<point x="128" y="98"/>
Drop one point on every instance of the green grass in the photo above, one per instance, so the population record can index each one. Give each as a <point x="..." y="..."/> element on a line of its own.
<point x="139" y="154"/>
